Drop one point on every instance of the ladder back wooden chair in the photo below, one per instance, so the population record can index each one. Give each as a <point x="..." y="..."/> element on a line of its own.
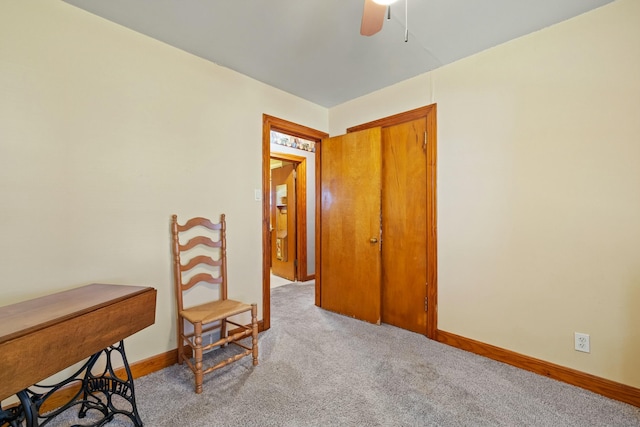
<point x="202" y="244"/>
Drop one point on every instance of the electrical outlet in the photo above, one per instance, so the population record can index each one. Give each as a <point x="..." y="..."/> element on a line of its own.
<point x="208" y="339"/>
<point x="582" y="342"/>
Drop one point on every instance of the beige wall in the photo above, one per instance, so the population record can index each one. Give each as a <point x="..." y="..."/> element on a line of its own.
<point x="538" y="189"/>
<point x="104" y="133"/>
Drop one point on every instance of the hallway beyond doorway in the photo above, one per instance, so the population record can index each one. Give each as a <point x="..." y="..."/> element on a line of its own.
<point x="280" y="281"/>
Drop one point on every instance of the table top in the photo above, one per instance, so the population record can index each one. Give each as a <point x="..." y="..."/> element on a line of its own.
<point x="25" y="317"/>
<point x="45" y="335"/>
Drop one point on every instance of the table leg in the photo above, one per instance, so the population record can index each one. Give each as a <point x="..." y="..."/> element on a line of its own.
<point x="14" y="416"/>
<point x="109" y="384"/>
<point x="29" y="409"/>
<point x="96" y="393"/>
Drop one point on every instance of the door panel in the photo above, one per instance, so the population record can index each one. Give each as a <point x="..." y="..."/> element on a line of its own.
<point x="404" y="225"/>
<point x="349" y="220"/>
<point x="283" y="217"/>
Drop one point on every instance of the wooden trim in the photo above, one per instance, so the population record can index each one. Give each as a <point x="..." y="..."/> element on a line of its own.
<point x="318" y="284"/>
<point x="432" y="220"/>
<point x="608" y="388"/>
<point x="396" y="119"/>
<point x="301" y="219"/>
<point x="308" y="277"/>
<point x="429" y="112"/>
<point x="270" y="123"/>
<point x="287" y="156"/>
<point x="266" y="218"/>
<point x="294" y="129"/>
<point x="152" y="364"/>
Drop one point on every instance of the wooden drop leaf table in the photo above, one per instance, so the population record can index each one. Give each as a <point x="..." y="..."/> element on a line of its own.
<point x="43" y="336"/>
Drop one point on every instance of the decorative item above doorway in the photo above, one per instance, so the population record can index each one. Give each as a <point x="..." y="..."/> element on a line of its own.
<point x="292" y="141"/>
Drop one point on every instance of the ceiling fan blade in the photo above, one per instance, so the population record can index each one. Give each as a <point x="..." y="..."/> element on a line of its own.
<point x="372" y="18"/>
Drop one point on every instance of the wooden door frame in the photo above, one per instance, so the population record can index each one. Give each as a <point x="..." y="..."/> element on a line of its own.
<point x="300" y="168"/>
<point x="428" y="112"/>
<point x="270" y="123"/>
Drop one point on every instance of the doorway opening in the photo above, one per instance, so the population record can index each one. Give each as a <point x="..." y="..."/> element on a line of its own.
<point x="277" y="249"/>
<point x="288" y="245"/>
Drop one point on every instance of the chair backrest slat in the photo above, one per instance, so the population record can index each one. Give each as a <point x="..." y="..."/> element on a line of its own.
<point x="201" y="278"/>
<point x="205" y="236"/>
<point x="199" y="221"/>
<point x="200" y="240"/>
<point x="200" y="260"/>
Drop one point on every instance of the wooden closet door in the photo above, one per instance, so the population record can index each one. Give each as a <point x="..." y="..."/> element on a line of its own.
<point x="404" y="225"/>
<point x="350" y="224"/>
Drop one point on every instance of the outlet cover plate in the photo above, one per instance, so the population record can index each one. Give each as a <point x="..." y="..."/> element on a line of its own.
<point x="582" y="342"/>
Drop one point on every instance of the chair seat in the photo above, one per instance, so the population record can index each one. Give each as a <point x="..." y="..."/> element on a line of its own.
<point x="213" y="311"/>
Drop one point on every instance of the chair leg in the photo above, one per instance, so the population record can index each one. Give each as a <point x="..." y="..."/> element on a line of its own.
<point x="180" y="333"/>
<point x="223" y="330"/>
<point x="254" y="332"/>
<point x="198" y="356"/>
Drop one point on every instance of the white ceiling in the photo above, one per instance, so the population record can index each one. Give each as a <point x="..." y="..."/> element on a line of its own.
<point x="313" y="48"/>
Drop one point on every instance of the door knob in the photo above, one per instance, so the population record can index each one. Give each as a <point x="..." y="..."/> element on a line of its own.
<point x="373" y="240"/>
